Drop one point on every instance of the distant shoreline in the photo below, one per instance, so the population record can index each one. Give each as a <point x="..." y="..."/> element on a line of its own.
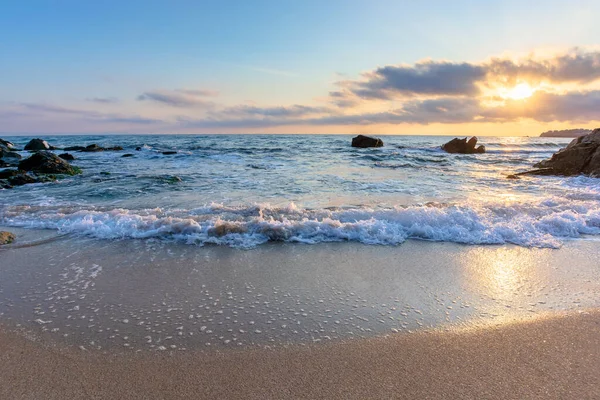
<point x="566" y="133"/>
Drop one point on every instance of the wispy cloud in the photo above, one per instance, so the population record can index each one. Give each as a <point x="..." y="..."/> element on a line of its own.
<point x="180" y="97"/>
<point x="102" y="100"/>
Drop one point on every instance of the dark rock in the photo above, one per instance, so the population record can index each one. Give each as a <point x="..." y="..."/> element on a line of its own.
<point x="366" y="141"/>
<point x="48" y="163"/>
<point x="67" y="156"/>
<point x="12" y="154"/>
<point x="540" y="171"/>
<point x="74" y="148"/>
<point x="463" y="146"/>
<point x="22" y="179"/>
<point x="127" y="155"/>
<point x="7" y="173"/>
<point x="7" y="237"/>
<point x="37" y="144"/>
<point x="581" y="156"/>
<point x="138" y="149"/>
<point x="93" y="148"/>
<point x="168" y="153"/>
<point x="7" y="144"/>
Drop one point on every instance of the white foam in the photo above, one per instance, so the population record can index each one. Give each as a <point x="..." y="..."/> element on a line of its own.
<point x="544" y="223"/>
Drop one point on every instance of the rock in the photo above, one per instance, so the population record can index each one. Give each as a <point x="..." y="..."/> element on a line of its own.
<point x="463" y="146"/>
<point x="92" y="148"/>
<point x="138" y="149"/>
<point x="541" y="171"/>
<point x="168" y="153"/>
<point x="581" y="156"/>
<point x="7" y="144"/>
<point x="12" y="154"/>
<point x="7" y="237"/>
<point x="48" y="163"/>
<point x="8" y="173"/>
<point x="23" y="179"/>
<point x="37" y="144"/>
<point x="74" y="148"/>
<point x="127" y="155"/>
<point x="67" y="156"/>
<point x="366" y="141"/>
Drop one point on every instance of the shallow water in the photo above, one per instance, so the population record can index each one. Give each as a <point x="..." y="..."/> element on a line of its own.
<point x="246" y="190"/>
<point x="151" y="295"/>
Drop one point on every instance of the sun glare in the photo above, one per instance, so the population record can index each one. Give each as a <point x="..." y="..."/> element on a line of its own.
<point x="519" y="92"/>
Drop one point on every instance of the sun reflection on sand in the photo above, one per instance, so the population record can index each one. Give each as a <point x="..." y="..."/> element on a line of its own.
<point x="505" y="273"/>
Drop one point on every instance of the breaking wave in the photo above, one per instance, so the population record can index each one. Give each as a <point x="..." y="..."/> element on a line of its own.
<point x="535" y="224"/>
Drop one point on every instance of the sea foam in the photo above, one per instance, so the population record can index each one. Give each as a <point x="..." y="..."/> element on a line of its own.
<point x="543" y="223"/>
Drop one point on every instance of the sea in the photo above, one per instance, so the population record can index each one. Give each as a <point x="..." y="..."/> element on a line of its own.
<point x="243" y="191"/>
<point x="270" y="240"/>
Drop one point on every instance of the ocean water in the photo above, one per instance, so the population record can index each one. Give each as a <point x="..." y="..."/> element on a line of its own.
<point x="246" y="190"/>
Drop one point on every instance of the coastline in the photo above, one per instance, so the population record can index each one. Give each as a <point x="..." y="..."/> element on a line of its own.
<point x="550" y="358"/>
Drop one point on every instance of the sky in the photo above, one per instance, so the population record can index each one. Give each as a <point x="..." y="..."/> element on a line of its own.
<point x="336" y="66"/>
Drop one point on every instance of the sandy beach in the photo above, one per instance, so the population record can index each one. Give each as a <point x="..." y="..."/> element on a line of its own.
<point x="140" y="319"/>
<point x="555" y="358"/>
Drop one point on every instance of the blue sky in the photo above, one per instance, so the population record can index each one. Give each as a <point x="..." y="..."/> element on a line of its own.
<point x="270" y="66"/>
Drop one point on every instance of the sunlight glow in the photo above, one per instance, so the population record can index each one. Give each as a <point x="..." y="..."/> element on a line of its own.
<point x="519" y="92"/>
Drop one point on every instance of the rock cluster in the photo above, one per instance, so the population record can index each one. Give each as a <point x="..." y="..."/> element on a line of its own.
<point x="92" y="148"/>
<point x="366" y="141"/>
<point x="581" y="156"/>
<point x="463" y="146"/>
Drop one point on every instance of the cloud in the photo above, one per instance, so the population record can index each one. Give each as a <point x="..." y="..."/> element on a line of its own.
<point x="428" y="77"/>
<point x="547" y="107"/>
<point x="183" y="98"/>
<point x="575" y="66"/>
<point x="102" y="100"/>
<point x="443" y="78"/>
<point x="41" y="111"/>
<point x="295" y="110"/>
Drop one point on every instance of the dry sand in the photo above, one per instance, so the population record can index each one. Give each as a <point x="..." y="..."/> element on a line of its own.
<point x="554" y="358"/>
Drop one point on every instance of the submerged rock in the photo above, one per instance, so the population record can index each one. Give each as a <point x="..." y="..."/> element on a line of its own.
<point x="12" y="154"/>
<point x="581" y="156"/>
<point x="366" y="141"/>
<point x="23" y="178"/>
<point x="168" y="153"/>
<point x="7" y="237"/>
<point x="48" y="163"/>
<point x="37" y="144"/>
<point x="463" y="146"/>
<point x="92" y="148"/>
<point x="74" y="148"/>
<point x="67" y="156"/>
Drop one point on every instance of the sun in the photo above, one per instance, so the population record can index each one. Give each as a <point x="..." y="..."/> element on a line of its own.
<point x="519" y="92"/>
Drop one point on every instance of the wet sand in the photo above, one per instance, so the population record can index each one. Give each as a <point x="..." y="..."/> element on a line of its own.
<point x="84" y="318"/>
<point x="555" y="358"/>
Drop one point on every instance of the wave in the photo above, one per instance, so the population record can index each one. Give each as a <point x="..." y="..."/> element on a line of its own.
<point x="535" y="224"/>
